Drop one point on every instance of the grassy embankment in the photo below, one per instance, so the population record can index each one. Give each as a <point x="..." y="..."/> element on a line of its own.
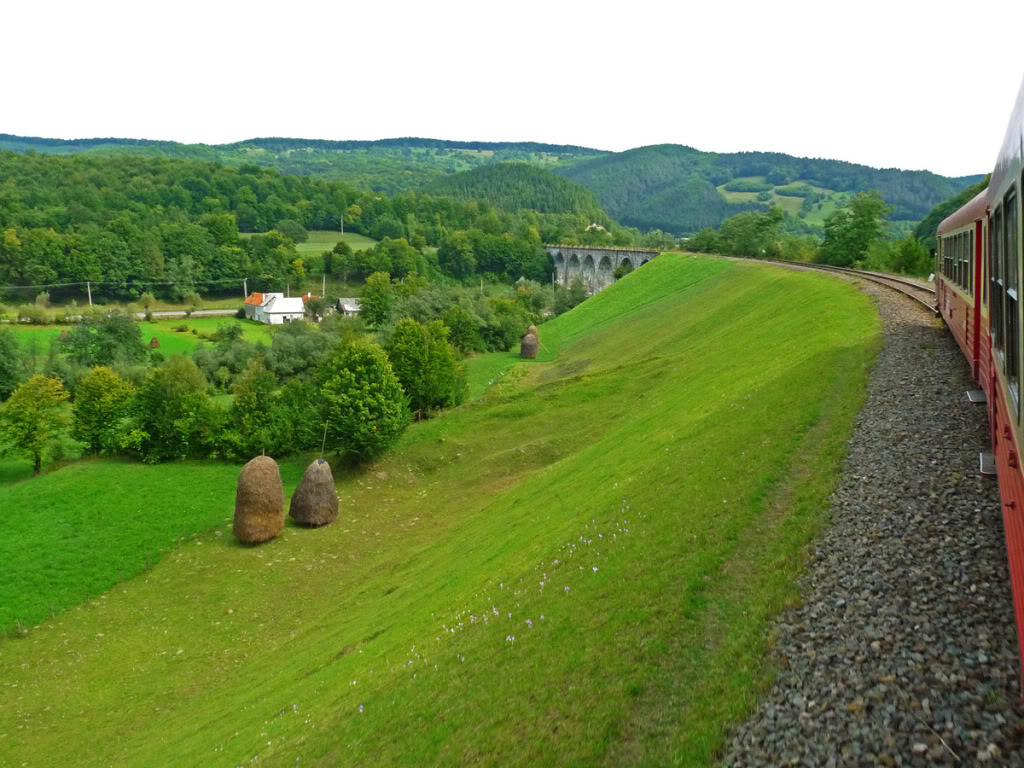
<point x="576" y="568"/>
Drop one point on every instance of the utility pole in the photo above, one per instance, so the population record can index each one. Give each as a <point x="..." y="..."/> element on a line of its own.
<point x="88" y="288"/>
<point x="341" y="221"/>
<point x="245" y="287"/>
<point x="323" y="286"/>
<point x="287" y="289"/>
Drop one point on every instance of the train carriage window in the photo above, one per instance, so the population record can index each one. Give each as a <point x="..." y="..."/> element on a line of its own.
<point x="1011" y="255"/>
<point x="968" y="264"/>
<point x="996" y="281"/>
<point x="985" y="267"/>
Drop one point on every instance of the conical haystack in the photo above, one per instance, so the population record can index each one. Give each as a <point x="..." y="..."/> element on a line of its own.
<point x="532" y="330"/>
<point x="315" y="501"/>
<point x="259" y="501"/>
<point x="154" y="343"/>
<point x="528" y="347"/>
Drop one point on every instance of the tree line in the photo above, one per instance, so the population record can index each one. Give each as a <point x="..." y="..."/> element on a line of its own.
<point x="854" y="236"/>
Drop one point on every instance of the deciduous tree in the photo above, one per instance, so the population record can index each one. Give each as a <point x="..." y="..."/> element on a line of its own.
<point x="36" y="421"/>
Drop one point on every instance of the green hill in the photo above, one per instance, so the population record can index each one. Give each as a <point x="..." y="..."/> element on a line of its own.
<point x="925" y="231"/>
<point x="670" y="187"/>
<point x="583" y="563"/>
<point x="519" y="186"/>
<point x="673" y="187"/>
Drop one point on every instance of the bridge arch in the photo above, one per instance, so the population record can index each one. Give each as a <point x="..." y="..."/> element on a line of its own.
<point x="574" y="269"/>
<point x="595" y="265"/>
<point x="589" y="272"/>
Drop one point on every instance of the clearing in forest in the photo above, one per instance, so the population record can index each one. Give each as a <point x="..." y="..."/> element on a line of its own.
<point x="578" y="567"/>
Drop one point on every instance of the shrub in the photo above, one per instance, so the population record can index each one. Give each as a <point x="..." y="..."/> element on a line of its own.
<point x="361" y="400"/>
<point x="575" y="294"/>
<point x="463" y="330"/>
<point x="174" y="418"/>
<point x="795" y="190"/>
<point x="102" y="399"/>
<point x="377" y="299"/>
<point x="426" y="366"/>
<point x="746" y="185"/>
<point x="35" y="421"/>
<point x="181" y="328"/>
<point x="104" y="340"/>
<point x="33" y="314"/>
<point x="240" y="314"/>
<point x="43" y="299"/>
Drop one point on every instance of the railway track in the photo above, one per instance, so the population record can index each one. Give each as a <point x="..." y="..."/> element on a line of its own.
<point x="919" y="293"/>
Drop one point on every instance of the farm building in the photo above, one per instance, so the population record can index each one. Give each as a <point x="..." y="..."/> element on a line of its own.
<point x="273" y="308"/>
<point x="349" y="306"/>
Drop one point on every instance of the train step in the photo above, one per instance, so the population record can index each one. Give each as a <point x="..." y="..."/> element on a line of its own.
<point x="988" y="464"/>
<point x="977" y="396"/>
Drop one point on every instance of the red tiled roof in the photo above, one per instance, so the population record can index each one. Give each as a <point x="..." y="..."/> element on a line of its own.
<point x="256" y="299"/>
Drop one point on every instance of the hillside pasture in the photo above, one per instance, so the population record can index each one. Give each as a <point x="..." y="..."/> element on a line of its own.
<point x="577" y="567"/>
<point x="165" y="330"/>
<point x="789" y="203"/>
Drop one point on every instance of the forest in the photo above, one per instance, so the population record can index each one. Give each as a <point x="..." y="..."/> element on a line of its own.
<point x="668" y="187"/>
<point x="131" y="223"/>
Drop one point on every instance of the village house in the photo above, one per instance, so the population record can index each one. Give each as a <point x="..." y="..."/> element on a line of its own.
<point x="349" y="306"/>
<point x="274" y="308"/>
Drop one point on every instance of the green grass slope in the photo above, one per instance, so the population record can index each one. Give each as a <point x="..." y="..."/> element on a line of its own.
<point x="575" y="569"/>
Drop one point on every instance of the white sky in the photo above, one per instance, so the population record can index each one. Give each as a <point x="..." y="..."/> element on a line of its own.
<point x="912" y="85"/>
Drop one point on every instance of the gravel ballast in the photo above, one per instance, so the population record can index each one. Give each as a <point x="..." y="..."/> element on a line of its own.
<point x="903" y="648"/>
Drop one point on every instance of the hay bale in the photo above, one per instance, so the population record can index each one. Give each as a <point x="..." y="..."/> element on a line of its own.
<point x="259" y="502"/>
<point x="528" y="347"/>
<point x="532" y="331"/>
<point x="315" y="501"/>
<point x="154" y="343"/>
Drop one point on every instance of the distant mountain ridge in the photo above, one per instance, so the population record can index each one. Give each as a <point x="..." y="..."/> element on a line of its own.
<point x="671" y="187"/>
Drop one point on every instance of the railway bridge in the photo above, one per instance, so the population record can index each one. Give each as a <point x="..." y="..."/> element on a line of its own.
<point x="594" y="266"/>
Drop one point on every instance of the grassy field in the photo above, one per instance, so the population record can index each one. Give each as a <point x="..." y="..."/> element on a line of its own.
<point x="324" y="240"/>
<point x="574" y="569"/>
<point x="172" y="341"/>
<point x="789" y="204"/>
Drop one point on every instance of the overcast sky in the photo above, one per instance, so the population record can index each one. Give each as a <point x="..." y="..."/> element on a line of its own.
<point x="911" y="85"/>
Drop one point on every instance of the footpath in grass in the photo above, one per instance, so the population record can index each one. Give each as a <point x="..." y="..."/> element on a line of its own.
<point x="576" y="568"/>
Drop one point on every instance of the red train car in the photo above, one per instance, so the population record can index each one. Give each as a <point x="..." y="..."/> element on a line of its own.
<point x="979" y="266"/>
<point x="960" y="286"/>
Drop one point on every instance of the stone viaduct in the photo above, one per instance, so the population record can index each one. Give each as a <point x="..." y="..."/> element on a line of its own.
<point x="595" y="266"/>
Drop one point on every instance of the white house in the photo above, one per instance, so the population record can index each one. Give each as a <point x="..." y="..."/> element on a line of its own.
<point x="273" y="308"/>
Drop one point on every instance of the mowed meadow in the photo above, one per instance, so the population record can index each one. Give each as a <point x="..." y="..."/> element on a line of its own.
<point x="575" y="568"/>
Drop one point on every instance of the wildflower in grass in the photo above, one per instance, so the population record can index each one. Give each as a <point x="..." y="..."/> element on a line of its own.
<point x="566" y="589"/>
<point x="529" y="624"/>
<point x="595" y="569"/>
<point x="360" y="707"/>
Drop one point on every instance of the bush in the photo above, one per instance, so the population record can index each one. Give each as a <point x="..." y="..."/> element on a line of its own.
<point x="102" y="399"/>
<point x="173" y="417"/>
<point x="113" y="338"/>
<point x="181" y="328"/>
<point x="43" y="299"/>
<point x="240" y="314"/>
<point x="34" y="315"/>
<point x="795" y="190"/>
<point x="746" y="185"/>
<point x="361" y="400"/>
<point x="426" y="366"/>
<point x="575" y="294"/>
<point x="463" y="330"/>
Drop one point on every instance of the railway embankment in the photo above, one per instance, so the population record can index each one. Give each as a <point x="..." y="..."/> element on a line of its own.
<point x="903" y="649"/>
